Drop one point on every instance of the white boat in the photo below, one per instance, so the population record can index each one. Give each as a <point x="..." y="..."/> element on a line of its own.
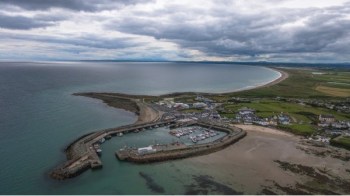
<point x="102" y="140"/>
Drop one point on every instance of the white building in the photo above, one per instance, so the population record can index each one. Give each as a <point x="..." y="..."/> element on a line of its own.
<point x="199" y="105"/>
<point x="181" y="106"/>
<point x="146" y="150"/>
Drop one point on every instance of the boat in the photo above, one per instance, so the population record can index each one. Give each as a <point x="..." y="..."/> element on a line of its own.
<point x="98" y="149"/>
<point x="194" y="140"/>
<point x="102" y="140"/>
<point x="120" y="134"/>
<point x="108" y="137"/>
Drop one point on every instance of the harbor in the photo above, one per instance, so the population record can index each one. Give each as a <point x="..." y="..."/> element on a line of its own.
<point x="189" y="137"/>
<point x="84" y="152"/>
<point x="154" y="153"/>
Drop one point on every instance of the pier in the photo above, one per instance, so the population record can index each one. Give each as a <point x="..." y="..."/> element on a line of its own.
<point x="81" y="154"/>
<point x="169" y="152"/>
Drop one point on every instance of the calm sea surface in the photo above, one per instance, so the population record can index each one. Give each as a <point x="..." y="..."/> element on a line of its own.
<point x="39" y="117"/>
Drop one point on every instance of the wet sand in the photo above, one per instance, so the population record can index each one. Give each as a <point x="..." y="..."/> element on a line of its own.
<point x="249" y="165"/>
<point x="254" y="128"/>
<point x="284" y="75"/>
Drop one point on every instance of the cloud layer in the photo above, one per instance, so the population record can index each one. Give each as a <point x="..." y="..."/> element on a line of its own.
<point x="230" y="30"/>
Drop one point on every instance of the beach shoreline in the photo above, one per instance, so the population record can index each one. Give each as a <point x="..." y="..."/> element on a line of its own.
<point x="146" y="114"/>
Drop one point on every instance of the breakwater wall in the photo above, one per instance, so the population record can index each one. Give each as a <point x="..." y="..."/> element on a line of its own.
<point x="82" y="156"/>
<point x="233" y="135"/>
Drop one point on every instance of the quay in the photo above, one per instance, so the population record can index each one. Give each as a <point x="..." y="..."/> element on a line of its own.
<point x="169" y="152"/>
<point x="81" y="154"/>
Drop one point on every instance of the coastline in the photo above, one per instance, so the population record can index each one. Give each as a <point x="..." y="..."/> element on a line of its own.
<point x="81" y="155"/>
<point x="283" y="75"/>
<point x="257" y="164"/>
<point x="132" y="103"/>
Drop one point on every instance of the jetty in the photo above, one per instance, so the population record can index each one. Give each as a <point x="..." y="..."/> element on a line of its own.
<point x="82" y="155"/>
<point x="176" y="151"/>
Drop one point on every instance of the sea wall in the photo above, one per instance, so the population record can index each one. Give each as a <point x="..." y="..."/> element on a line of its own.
<point x="234" y="135"/>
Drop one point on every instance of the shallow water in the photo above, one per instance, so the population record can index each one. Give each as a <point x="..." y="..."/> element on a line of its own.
<point x="39" y="117"/>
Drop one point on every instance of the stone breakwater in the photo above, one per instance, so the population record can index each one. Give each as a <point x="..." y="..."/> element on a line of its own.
<point x="234" y="134"/>
<point x="82" y="156"/>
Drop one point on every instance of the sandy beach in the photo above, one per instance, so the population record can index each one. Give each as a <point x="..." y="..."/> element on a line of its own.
<point x="284" y="75"/>
<point x="254" y="128"/>
<point x="250" y="165"/>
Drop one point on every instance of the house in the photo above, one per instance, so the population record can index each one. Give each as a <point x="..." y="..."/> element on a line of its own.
<point x="245" y="111"/>
<point x="199" y="105"/>
<point x="283" y="119"/>
<point x="328" y="118"/>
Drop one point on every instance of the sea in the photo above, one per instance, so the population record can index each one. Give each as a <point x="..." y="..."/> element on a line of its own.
<point x="39" y="117"/>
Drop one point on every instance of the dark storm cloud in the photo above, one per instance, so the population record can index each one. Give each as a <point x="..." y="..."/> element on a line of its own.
<point x="81" y="5"/>
<point x="26" y="23"/>
<point x="88" y="41"/>
<point x="255" y="34"/>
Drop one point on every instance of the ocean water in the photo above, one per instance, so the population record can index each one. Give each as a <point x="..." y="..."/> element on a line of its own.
<point x="39" y="116"/>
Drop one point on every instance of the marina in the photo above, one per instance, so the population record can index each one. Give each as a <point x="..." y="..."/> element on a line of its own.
<point x="177" y="150"/>
<point x="194" y="133"/>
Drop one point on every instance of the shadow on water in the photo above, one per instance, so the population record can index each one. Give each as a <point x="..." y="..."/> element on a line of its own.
<point x="206" y="185"/>
<point x="151" y="184"/>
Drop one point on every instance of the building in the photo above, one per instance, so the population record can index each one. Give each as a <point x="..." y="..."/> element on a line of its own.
<point x="199" y="105"/>
<point x="328" y="118"/>
<point x="245" y="111"/>
<point x="146" y="150"/>
<point x="181" y="106"/>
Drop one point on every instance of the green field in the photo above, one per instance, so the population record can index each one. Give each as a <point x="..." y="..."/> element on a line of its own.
<point x="303" y="117"/>
<point x="299" y="129"/>
<point x="303" y="84"/>
<point x="341" y="141"/>
<point x="299" y="113"/>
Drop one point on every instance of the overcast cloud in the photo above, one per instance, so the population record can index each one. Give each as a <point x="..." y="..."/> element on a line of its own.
<point x="223" y="30"/>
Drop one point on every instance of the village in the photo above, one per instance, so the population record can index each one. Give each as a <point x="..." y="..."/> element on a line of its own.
<point x="323" y="127"/>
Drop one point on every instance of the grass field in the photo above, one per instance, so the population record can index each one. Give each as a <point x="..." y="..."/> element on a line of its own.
<point x="299" y="129"/>
<point x="341" y="141"/>
<point x="302" y="116"/>
<point x="338" y="92"/>
<point x="303" y="84"/>
<point x="300" y="113"/>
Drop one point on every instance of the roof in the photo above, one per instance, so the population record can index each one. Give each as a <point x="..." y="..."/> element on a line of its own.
<point x="326" y="116"/>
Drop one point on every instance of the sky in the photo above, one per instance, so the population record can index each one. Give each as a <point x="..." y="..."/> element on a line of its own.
<point x="176" y="30"/>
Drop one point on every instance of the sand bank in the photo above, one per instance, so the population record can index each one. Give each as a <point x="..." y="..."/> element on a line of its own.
<point x="254" y="128"/>
<point x="249" y="165"/>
